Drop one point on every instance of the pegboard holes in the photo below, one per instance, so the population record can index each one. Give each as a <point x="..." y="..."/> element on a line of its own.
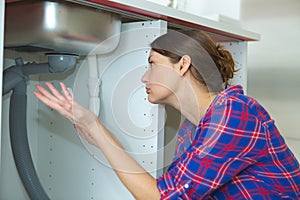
<point x="92" y="183"/>
<point x="144" y="146"/>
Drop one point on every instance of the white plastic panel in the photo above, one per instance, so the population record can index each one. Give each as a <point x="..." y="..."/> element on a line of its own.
<point x="124" y="105"/>
<point x="63" y="164"/>
<point x="70" y="171"/>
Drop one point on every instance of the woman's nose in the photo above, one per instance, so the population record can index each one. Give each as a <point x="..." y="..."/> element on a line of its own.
<point x="145" y="77"/>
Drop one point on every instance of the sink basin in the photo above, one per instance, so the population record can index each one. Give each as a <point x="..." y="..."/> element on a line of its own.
<point x="59" y="26"/>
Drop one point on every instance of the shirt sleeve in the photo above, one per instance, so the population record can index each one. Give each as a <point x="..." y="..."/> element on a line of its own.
<point x="228" y="140"/>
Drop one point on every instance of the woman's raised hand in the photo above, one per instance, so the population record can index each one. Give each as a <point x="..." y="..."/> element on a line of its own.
<point x="141" y="185"/>
<point x="64" y="103"/>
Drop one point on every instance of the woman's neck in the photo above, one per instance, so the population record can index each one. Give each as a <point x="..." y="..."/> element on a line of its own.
<point x="192" y="101"/>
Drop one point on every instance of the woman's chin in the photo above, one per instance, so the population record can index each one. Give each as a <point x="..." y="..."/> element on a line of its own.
<point x="155" y="100"/>
<point x="152" y="100"/>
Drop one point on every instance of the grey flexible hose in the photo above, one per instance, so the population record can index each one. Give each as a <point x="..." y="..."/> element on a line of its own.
<point x="20" y="145"/>
<point x="14" y="78"/>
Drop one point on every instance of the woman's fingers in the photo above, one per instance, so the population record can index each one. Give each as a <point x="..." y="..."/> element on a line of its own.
<point x="55" y="95"/>
<point x="66" y="92"/>
<point x="64" y="103"/>
<point x="55" y="92"/>
<point x="46" y="100"/>
<point x="65" y="99"/>
<point x="62" y="106"/>
<point x="54" y="105"/>
<point x="46" y="94"/>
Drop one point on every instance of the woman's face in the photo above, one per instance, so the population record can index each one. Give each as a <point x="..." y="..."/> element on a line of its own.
<point x="161" y="78"/>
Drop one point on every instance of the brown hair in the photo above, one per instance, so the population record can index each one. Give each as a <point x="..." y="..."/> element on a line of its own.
<point x="212" y="65"/>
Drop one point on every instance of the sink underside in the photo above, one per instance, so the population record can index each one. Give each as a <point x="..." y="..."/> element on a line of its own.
<point x="56" y="26"/>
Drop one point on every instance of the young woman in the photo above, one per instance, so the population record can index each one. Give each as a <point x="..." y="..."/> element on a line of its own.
<point x="228" y="147"/>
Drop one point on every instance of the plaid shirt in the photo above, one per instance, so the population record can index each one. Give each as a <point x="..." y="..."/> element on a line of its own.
<point x="236" y="152"/>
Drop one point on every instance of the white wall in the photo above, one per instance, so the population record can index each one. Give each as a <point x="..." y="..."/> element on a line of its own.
<point x="210" y="8"/>
<point x="273" y="62"/>
<point x="206" y="8"/>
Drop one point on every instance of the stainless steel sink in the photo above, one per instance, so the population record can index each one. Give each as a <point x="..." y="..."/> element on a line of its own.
<point x="58" y="26"/>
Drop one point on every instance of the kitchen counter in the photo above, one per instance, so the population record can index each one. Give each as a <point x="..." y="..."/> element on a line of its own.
<point x="145" y="10"/>
<point x="136" y="10"/>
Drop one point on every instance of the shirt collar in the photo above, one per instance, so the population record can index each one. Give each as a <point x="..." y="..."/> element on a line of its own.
<point x="231" y="90"/>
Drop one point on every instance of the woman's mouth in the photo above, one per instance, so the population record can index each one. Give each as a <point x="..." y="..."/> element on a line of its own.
<point x="147" y="90"/>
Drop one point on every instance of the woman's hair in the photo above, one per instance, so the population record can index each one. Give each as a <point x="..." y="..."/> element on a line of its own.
<point x="212" y="65"/>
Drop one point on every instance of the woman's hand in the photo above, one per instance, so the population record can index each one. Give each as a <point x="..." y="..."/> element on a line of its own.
<point x="64" y="103"/>
<point x="139" y="182"/>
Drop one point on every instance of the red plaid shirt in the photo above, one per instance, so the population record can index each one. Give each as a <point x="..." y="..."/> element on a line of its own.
<point x="236" y="152"/>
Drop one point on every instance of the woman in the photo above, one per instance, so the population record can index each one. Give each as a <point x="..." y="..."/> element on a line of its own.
<point x="228" y="146"/>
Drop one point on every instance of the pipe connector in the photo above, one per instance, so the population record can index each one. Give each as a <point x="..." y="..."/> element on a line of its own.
<point x="57" y="63"/>
<point x="61" y="62"/>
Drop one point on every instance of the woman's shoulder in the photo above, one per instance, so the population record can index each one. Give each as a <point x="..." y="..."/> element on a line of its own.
<point x="233" y="98"/>
<point x="234" y="93"/>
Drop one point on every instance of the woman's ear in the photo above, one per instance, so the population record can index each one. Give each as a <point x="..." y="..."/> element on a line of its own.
<point x="185" y="63"/>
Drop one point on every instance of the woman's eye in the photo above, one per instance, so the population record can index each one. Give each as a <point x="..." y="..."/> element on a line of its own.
<point x="150" y="64"/>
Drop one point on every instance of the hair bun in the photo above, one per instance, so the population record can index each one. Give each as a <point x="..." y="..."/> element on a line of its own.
<point x="225" y="64"/>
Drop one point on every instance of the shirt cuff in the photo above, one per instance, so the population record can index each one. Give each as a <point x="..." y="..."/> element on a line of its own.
<point x="169" y="190"/>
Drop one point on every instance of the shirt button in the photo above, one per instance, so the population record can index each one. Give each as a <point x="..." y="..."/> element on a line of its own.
<point x="186" y="186"/>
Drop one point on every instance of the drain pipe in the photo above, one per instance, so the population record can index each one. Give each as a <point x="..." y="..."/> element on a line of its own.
<point x="20" y="145"/>
<point x="15" y="79"/>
